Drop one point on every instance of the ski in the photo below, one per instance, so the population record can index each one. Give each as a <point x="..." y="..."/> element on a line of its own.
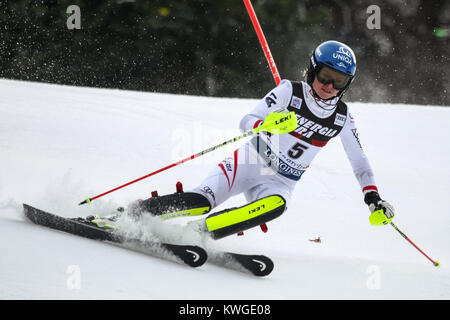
<point x="258" y="265"/>
<point x="190" y="255"/>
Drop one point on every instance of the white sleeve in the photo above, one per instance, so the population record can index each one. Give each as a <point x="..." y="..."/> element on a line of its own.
<point x="355" y="153"/>
<point x="278" y="98"/>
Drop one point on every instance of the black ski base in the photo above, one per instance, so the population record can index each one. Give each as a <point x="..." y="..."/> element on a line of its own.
<point x="193" y="256"/>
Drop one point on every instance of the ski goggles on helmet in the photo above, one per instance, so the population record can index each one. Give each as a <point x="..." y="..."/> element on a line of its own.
<point x="338" y="79"/>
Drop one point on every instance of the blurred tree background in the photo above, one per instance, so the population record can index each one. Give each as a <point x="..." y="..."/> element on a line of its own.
<point x="209" y="47"/>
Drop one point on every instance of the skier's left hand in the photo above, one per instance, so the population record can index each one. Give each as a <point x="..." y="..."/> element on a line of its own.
<point x="382" y="212"/>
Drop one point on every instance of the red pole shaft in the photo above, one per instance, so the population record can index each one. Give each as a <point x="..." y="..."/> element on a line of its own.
<point x="262" y="41"/>
<point x="413" y="244"/>
<point x="421" y="251"/>
<point x="146" y="176"/>
<point x="246" y="134"/>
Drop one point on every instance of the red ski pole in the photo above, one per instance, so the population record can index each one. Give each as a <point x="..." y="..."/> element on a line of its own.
<point x="276" y="122"/>
<point x="246" y="134"/>
<point x="435" y="262"/>
<point x="262" y="41"/>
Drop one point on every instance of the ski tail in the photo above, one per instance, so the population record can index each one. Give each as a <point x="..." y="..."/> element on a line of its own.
<point x="258" y="265"/>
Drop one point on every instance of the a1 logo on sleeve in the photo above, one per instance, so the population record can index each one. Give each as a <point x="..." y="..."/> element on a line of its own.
<point x="340" y="120"/>
<point x="271" y="99"/>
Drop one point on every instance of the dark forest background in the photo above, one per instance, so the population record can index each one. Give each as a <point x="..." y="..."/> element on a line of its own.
<point x="209" y="47"/>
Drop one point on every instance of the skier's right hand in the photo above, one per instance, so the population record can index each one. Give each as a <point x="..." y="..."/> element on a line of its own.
<point x="278" y="123"/>
<point x="382" y="212"/>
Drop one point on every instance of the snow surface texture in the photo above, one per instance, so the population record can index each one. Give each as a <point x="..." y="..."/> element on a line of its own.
<point x="61" y="144"/>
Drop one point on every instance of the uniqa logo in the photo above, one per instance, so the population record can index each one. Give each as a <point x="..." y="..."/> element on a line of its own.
<point x="343" y="57"/>
<point x="345" y="51"/>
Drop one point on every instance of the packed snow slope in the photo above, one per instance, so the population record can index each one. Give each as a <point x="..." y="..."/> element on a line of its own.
<point x="61" y="144"/>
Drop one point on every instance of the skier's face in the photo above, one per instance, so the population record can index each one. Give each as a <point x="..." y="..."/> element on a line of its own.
<point x="328" y="82"/>
<point x="325" y="91"/>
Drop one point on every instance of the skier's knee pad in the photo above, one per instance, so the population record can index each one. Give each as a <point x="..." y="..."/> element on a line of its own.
<point x="234" y="220"/>
<point x="176" y="205"/>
